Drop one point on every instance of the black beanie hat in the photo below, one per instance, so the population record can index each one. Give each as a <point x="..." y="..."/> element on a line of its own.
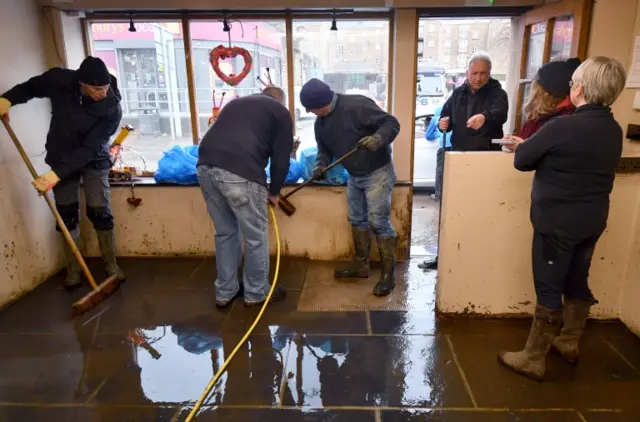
<point x="554" y="77"/>
<point x="94" y="72"/>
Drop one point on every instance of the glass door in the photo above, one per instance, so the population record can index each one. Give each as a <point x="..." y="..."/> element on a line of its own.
<point x="554" y="32"/>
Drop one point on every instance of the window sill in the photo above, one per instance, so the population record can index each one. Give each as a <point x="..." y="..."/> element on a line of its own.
<point x="150" y="181"/>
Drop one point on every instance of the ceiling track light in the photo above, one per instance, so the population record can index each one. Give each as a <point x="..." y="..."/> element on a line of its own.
<point x="132" y="27"/>
<point x="334" y="25"/>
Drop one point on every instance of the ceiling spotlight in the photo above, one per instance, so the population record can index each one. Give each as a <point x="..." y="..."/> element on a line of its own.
<point x="225" y="25"/>
<point x="334" y="26"/>
<point x="132" y="27"/>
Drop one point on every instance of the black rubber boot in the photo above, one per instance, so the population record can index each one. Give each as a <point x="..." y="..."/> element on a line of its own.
<point x="574" y="319"/>
<point x="74" y="271"/>
<point x="531" y="361"/>
<point x="387" y="249"/>
<point x="106" y="241"/>
<point x="359" y="267"/>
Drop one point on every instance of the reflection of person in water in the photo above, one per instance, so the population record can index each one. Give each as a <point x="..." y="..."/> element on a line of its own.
<point x="256" y="370"/>
<point x="110" y="369"/>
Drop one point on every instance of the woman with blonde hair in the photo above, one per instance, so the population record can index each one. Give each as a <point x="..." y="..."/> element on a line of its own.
<point x="575" y="159"/>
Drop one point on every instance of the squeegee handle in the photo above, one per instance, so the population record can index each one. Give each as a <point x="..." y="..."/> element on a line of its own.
<point x="331" y="166"/>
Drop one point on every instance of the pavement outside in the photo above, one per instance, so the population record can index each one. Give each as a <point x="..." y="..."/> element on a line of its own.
<point x="147" y="353"/>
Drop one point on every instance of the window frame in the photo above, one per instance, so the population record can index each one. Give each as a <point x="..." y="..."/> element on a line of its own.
<point x="186" y="18"/>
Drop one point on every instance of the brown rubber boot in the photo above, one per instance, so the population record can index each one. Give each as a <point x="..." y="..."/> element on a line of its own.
<point x="387" y="249"/>
<point x="106" y="241"/>
<point x="574" y="317"/>
<point x="359" y="267"/>
<point x="531" y="361"/>
<point x="74" y="271"/>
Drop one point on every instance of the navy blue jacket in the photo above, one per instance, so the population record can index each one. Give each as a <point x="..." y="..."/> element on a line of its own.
<point x="352" y="118"/>
<point x="575" y="159"/>
<point x="249" y="131"/>
<point x="80" y="128"/>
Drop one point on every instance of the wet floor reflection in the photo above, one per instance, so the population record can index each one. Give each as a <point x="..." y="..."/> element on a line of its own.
<point x="372" y="371"/>
<point x="151" y="349"/>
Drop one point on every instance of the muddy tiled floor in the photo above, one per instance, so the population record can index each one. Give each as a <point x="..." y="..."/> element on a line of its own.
<point x="330" y="352"/>
<point x="317" y="365"/>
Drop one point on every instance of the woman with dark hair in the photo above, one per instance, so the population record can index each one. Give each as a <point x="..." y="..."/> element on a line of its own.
<point x="549" y="96"/>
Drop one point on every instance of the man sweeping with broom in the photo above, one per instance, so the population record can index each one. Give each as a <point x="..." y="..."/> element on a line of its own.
<point x="85" y="114"/>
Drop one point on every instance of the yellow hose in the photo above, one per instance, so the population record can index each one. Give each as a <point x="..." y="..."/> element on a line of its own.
<point x="223" y="368"/>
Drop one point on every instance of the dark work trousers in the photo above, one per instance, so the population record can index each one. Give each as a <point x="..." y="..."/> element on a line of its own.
<point x="561" y="267"/>
<point x="440" y="171"/>
<point x="97" y="197"/>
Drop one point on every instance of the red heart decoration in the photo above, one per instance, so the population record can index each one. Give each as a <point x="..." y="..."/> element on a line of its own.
<point x="222" y="52"/>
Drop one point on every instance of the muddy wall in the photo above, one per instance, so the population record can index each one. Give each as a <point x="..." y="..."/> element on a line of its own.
<point x="30" y="249"/>
<point x="173" y="221"/>
<point x="485" y="244"/>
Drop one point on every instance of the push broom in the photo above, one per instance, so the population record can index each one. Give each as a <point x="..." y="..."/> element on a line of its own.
<point x="100" y="292"/>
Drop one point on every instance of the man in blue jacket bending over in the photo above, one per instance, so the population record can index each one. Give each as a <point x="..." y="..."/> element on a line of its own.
<point x="345" y="122"/>
<point x="232" y="157"/>
<point x="85" y="113"/>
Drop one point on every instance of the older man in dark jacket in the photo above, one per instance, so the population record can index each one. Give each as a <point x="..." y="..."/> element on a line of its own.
<point x="476" y="110"/>
<point x="345" y="122"/>
<point x="85" y="113"/>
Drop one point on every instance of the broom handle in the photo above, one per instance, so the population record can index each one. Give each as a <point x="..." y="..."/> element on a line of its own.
<point x="332" y="165"/>
<point x="55" y="212"/>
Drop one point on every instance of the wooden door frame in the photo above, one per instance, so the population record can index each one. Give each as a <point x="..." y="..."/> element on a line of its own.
<point x="581" y="11"/>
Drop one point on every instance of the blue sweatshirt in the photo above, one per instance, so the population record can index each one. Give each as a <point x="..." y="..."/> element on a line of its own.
<point x="434" y="133"/>
<point x="248" y="132"/>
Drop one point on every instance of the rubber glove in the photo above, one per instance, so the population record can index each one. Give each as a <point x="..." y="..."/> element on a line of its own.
<point x="46" y="182"/>
<point x="372" y="143"/>
<point x="319" y="173"/>
<point x="5" y="105"/>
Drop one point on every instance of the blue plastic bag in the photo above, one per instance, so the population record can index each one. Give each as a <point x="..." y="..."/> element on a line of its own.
<point x="293" y="175"/>
<point x="336" y="176"/>
<point x="178" y="165"/>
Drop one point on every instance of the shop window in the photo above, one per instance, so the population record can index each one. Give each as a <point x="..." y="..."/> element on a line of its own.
<point x="151" y="71"/>
<point x="365" y="72"/>
<point x="266" y="43"/>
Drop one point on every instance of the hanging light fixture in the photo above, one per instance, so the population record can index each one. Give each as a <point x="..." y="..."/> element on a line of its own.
<point x="225" y="25"/>
<point x="132" y="27"/>
<point x="334" y="25"/>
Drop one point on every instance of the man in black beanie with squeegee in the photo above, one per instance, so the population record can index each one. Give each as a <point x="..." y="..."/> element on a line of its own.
<point x="85" y="113"/>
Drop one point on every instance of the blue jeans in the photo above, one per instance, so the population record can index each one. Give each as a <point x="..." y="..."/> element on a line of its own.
<point x="237" y="207"/>
<point x="369" y="200"/>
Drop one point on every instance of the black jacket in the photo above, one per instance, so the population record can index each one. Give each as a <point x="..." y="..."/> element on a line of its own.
<point x="249" y="131"/>
<point x="352" y="118"/>
<point x="80" y="128"/>
<point x="575" y="158"/>
<point x="490" y="101"/>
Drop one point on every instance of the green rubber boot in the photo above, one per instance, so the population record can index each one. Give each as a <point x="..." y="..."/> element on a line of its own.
<point x="359" y="267"/>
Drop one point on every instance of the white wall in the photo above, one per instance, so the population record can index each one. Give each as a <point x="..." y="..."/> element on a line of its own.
<point x="30" y="247"/>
